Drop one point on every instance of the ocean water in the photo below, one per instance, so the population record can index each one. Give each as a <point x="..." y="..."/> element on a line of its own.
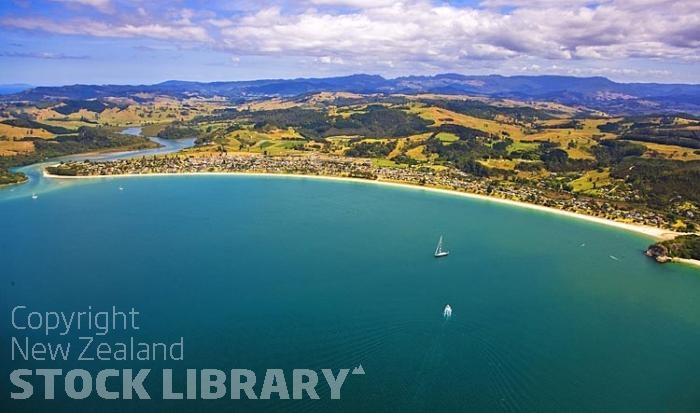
<point x="296" y="273"/>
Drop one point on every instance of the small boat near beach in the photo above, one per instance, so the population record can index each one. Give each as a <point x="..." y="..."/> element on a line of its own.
<point x="35" y="196"/>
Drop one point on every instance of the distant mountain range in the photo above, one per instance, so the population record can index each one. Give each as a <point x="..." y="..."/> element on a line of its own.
<point x="597" y="93"/>
<point x="13" y="88"/>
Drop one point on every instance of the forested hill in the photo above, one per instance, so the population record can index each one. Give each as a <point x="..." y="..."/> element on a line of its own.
<point x="596" y="93"/>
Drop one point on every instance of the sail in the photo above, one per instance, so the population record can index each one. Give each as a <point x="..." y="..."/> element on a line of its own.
<point x="447" y="312"/>
<point x="438" y="250"/>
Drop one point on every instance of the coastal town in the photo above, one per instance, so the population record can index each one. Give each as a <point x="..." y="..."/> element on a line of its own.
<point x="359" y="168"/>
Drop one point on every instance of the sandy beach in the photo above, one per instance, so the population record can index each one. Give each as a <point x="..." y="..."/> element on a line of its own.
<point x="657" y="234"/>
<point x="652" y="232"/>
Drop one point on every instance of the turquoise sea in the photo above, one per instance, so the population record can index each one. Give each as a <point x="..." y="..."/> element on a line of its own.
<point x="297" y="273"/>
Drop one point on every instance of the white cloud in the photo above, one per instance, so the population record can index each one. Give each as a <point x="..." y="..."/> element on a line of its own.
<point x="99" y="29"/>
<point x="423" y="31"/>
<point x="104" y="6"/>
<point x="331" y="60"/>
<point x="360" y="4"/>
<point x="537" y="3"/>
<point x="413" y="33"/>
<point x="220" y="23"/>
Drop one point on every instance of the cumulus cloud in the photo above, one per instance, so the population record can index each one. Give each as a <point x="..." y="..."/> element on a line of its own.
<point x="412" y="33"/>
<point x="425" y="31"/>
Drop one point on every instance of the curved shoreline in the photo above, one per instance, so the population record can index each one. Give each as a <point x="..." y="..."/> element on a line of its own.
<point x="652" y="232"/>
<point x="658" y="234"/>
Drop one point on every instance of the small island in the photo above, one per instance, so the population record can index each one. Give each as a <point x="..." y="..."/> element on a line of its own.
<point x="681" y="248"/>
<point x="11" y="178"/>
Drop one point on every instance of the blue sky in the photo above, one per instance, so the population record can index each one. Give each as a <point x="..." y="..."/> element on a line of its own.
<point x="51" y="42"/>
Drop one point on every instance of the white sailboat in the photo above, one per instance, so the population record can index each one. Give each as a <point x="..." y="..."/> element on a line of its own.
<point x="447" y="312"/>
<point x="439" y="253"/>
